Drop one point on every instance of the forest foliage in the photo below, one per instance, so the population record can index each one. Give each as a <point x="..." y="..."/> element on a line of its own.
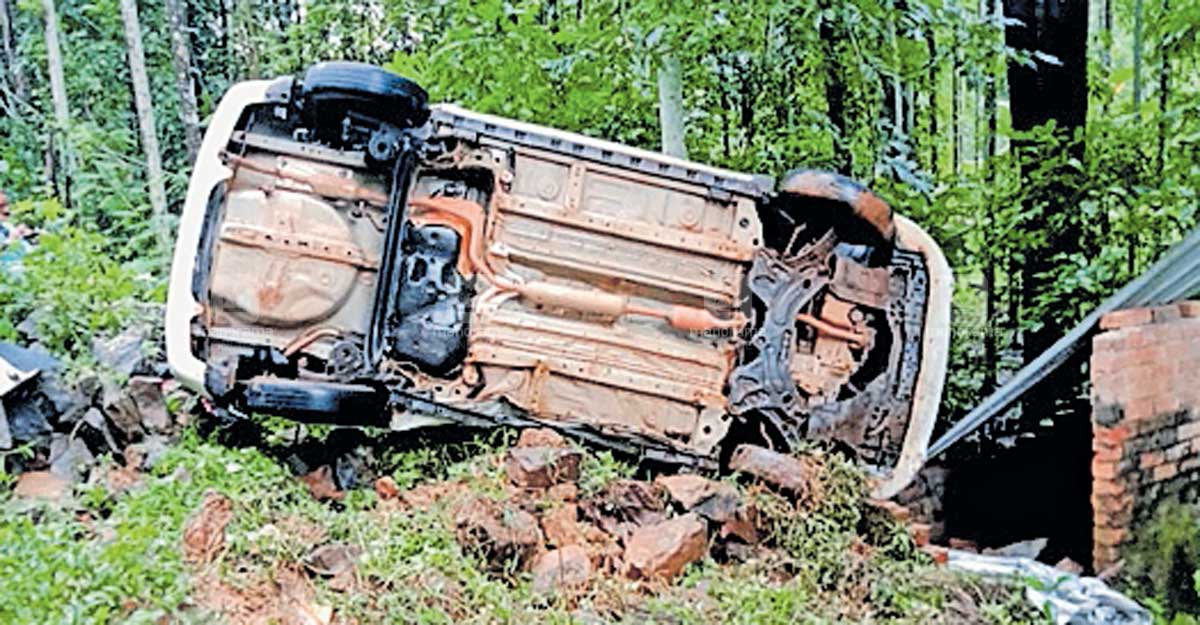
<point x="911" y="96"/>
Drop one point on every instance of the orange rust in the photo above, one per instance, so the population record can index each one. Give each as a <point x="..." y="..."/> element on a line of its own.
<point x="308" y="337"/>
<point x="466" y="218"/>
<point x="269" y="295"/>
<point x="830" y="329"/>
<point x="321" y="184"/>
<point x="583" y="300"/>
<point x="689" y="318"/>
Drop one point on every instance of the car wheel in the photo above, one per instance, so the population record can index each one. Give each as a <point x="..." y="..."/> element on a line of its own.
<point x="332" y="91"/>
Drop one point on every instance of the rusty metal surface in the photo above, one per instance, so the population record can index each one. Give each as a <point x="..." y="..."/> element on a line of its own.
<point x="287" y="259"/>
<point x="594" y="295"/>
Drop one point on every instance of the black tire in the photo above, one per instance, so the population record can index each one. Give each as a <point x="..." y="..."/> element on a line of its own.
<point x="333" y="89"/>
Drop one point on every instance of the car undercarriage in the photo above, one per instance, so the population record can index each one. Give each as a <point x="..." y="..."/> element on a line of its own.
<point x="349" y="254"/>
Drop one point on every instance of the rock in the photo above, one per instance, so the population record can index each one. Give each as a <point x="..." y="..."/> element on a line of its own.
<point x="121" y="353"/>
<point x="743" y="526"/>
<point x="386" y="488"/>
<point x="70" y="458"/>
<point x="558" y="569"/>
<point x="146" y="394"/>
<point x="501" y="535"/>
<point x="713" y="500"/>
<point x="28" y="415"/>
<point x="1031" y="548"/>
<point x="150" y="451"/>
<point x="41" y="400"/>
<point x="1069" y="566"/>
<point x="721" y="507"/>
<point x="920" y="533"/>
<point x="540" y="437"/>
<point x="742" y="552"/>
<point x="661" y="551"/>
<point x="6" y="440"/>
<point x="204" y="534"/>
<point x="320" y="484"/>
<point x="41" y="485"/>
<point x="785" y="472"/>
<point x="332" y="559"/>
<point x="541" y="467"/>
<point x="894" y="510"/>
<point x="97" y="427"/>
<point x="562" y="527"/>
<point x="567" y="491"/>
<point x="691" y="490"/>
<point x="121" y="410"/>
<point x="349" y="470"/>
<point x="963" y="544"/>
<point x="625" y="505"/>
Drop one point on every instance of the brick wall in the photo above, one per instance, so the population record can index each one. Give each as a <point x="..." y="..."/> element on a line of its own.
<point x="1145" y="373"/>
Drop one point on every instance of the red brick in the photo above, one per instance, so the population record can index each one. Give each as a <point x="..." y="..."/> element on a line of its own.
<point x="1151" y="459"/>
<point x="1146" y="355"/>
<point x="1110" y="536"/>
<point x="1126" y="318"/>
<point x="1177" y="351"/>
<point x="1107" y="454"/>
<point x="1103" y="505"/>
<point x="1103" y="556"/>
<point x="1167" y="402"/>
<point x="1189" y="308"/>
<point x="1165" y="314"/>
<point x="1164" y="472"/>
<point x="962" y="544"/>
<point x="1104" y="470"/>
<point x="1139" y="409"/>
<point x="1112" y="436"/>
<point x="1108" y="487"/>
<point x="1189" y="430"/>
<point x="1105" y="361"/>
<point x="1178" y="451"/>
<point x="920" y="533"/>
<point x="940" y="555"/>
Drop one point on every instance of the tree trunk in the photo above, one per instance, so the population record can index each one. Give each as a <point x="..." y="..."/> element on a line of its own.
<point x="1049" y="91"/>
<point x="935" y="153"/>
<point x="15" y="77"/>
<point x="670" y="106"/>
<point x="145" y="114"/>
<point x="181" y="59"/>
<point x="57" y="158"/>
<point x="1164" y="91"/>
<point x="54" y="65"/>
<point x="835" y="90"/>
<point x="1137" y="59"/>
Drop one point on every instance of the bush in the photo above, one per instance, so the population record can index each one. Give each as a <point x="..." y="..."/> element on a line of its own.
<point x="71" y="285"/>
<point x="1164" y="562"/>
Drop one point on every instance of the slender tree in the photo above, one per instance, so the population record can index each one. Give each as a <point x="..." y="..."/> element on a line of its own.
<point x="1137" y="57"/>
<point x="57" y="158"/>
<point x="670" y="106"/>
<point x="181" y="60"/>
<point x="1164" y="91"/>
<point x="15" y="75"/>
<point x="830" y="33"/>
<point x="145" y="115"/>
<point x="1054" y="88"/>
